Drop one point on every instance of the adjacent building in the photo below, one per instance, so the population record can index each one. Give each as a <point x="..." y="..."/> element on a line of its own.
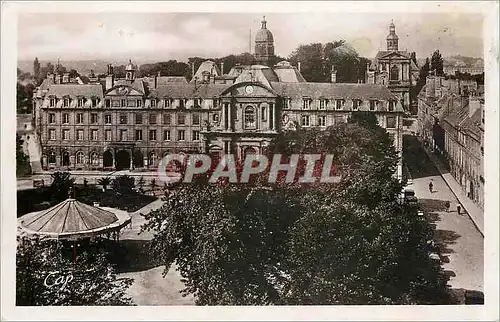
<point x="132" y="123"/>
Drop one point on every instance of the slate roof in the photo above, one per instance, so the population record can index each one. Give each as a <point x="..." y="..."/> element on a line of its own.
<point x="74" y="90"/>
<point x="289" y="74"/>
<point x="69" y="216"/>
<point x="162" y="80"/>
<point x="206" y="66"/>
<point x="137" y="84"/>
<point x="333" y="90"/>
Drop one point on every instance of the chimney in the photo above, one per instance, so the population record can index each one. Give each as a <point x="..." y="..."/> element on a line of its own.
<point x="474" y="105"/>
<point x="110" y="78"/>
<point x="298" y="66"/>
<point x="333" y="76"/>
<point x="58" y="79"/>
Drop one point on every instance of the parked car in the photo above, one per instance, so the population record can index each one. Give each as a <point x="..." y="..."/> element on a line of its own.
<point x="409" y="197"/>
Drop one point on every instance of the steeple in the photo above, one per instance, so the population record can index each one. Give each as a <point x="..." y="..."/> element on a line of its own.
<point x="264" y="45"/>
<point x="264" y="22"/>
<point x="392" y="38"/>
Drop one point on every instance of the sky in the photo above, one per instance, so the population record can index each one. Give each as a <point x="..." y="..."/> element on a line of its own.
<point x="165" y="36"/>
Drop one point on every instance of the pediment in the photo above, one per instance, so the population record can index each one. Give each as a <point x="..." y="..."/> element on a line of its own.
<point x="249" y="90"/>
<point x="394" y="55"/>
<point x="123" y="91"/>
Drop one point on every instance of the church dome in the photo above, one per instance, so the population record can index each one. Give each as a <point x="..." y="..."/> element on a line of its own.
<point x="264" y="34"/>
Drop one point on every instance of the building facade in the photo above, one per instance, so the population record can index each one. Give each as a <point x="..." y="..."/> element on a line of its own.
<point x="132" y="123"/>
<point x="394" y="68"/>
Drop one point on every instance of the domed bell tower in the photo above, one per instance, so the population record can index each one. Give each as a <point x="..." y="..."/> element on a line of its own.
<point x="392" y="38"/>
<point x="264" y="45"/>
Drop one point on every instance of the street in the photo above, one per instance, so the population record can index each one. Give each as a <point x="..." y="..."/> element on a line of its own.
<point x="460" y="242"/>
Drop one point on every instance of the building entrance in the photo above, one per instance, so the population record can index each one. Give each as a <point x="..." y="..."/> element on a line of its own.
<point x="122" y="160"/>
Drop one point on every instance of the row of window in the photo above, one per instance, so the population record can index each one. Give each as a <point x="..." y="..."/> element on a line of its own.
<point x="124" y="118"/>
<point x="80" y="102"/>
<point x="305" y="120"/>
<point x="123" y="135"/>
<point x="339" y="104"/>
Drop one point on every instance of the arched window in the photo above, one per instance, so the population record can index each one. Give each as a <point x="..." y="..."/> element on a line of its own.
<point x="52" y="157"/>
<point x="80" y="157"/>
<point x="394" y="73"/>
<point x="94" y="158"/>
<point x="250" y="117"/>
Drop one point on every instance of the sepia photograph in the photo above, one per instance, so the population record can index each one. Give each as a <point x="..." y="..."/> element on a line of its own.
<point x="250" y="155"/>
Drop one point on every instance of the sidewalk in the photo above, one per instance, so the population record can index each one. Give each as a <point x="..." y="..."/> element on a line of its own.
<point x="475" y="213"/>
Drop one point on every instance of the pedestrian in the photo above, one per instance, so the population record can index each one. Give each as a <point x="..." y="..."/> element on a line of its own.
<point x="430" y="186"/>
<point x="447" y="205"/>
<point x="458" y="208"/>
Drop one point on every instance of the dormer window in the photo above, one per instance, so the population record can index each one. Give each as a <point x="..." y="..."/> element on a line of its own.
<point x="391" y="106"/>
<point x="306" y="103"/>
<point x="52" y="102"/>
<point x="373" y="105"/>
<point x="355" y="104"/>
<point x="323" y="104"/>
<point x="66" y="102"/>
<point x="139" y="103"/>
<point x="181" y="103"/>
<point x="108" y="103"/>
<point x="166" y="102"/>
<point x="339" y="103"/>
<point x="153" y="103"/>
<point x="197" y="103"/>
<point x="80" y="102"/>
<point x="214" y="103"/>
<point x="95" y="101"/>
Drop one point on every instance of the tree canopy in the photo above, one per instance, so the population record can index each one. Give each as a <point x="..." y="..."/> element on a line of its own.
<point x="437" y="63"/>
<point x="351" y="242"/>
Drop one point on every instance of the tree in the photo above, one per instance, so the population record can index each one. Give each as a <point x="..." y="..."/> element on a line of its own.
<point x="422" y="79"/>
<point x="290" y="243"/>
<point x="141" y="183"/>
<point x="61" y="185"/>
<point x="437" y="63"/>
<point x="104" y="182"/>
<point x="23" y="167"/>
<point x="24" y="98"/>
<point x="36" y="69"/>
<point x="123" y="185"/>
<point x="93" y="282"/>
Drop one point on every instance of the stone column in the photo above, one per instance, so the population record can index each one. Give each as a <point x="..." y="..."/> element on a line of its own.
<point x="58" y="160"/>
<point x="72" y="161"/>
<point x="131" y="160"/>
<point x="44" y="161"/>
<point x="101" y="162"/>
<point x="145" y="161"/>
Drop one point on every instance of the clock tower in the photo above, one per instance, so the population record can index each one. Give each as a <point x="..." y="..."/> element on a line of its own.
<point x="264" y="45"/>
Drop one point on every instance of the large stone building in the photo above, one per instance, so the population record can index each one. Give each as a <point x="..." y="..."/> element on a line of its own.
<point x="131" y="123"/>
<point x="394" y="68"/>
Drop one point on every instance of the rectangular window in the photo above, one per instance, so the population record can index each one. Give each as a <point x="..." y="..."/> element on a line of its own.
<point x="123" y="103"/>
<point x="214" y="103"/>
<point x="306" y="103"/>
<point x="123" y="119"/>
<point x="339" y="104"/>
<point x="322" y="104"/>
<point x="356" y="104"/>
<point x="166" y="102"/>
<point x="321" y="120"/>
<point x="305" y="120"/>
<point x="182" y="103"/>
<point x="107" y="118"/>
<point x="79" y="118"/>
<point x="52" y="102"/>
<point x="181" y="119"/>
<point x="52" y="134"/>
<point x="166" y="135"/>
<point x="197" y="103"/>
<point x="152" y="118"/>
<point x="107" y="135"/>
<point x="65" y="134"/>
<point x="52" y="118"/>
<point x="138" y="118"/>
<point x="391" y="122"/>
<point x="95" y="101"/>
<point x="131" y="103"/>
<point x="139" y="103"/>
<point x="167" y="119"/>
<point x="271" y="116"/>
<point x="373" y="105"/>
<point x="138" y="135"/>
<point x="153" y="103"/>
<point x="66" y="102"/>
<point x="65" y="118"/>
<point x="263" y="113"/>
<point x="79" y="135"/>
<point x="123" y="135"/>
<point x="196" y="135"/>
<point x="116" y="103"/>
<point x="94" y="135"/>
<point x="108" y="103"/>
<point x="196" y="119"/>
<point x="181" y="135"/>
<point x="80" y="102"/>
<point x="93" y="118"/>
<point x="152" y="135"/>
